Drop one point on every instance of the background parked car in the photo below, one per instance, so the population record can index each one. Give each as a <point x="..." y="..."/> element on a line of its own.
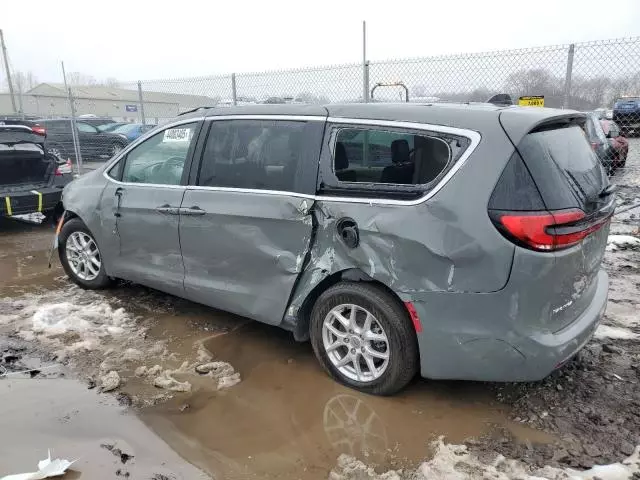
<point x="110" y="127"/>
<point x="94" y="144"/>
<point x="95" y="121"/>
<point x="626" y="113"/>
<point x="619" y="143"/>
<point x="600" y="143"/>
<point x="132" y="130"/>
<point x="31" y="179"/>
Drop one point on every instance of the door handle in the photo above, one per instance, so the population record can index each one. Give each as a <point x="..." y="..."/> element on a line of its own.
<point x="195" y="210"/>
<point x="118" y="193"/>
<point x="168" y="209"/>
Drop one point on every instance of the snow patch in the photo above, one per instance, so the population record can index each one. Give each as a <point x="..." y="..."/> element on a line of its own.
<point x="608" y="331"/>
<point x="621" y="242"/>
<point x="454" y="462"/>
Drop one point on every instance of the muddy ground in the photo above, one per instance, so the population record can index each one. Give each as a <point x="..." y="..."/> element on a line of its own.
<point x="99" y="375"/>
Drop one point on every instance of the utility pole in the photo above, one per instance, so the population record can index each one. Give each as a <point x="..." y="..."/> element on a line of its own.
<point x="6" y="67"/>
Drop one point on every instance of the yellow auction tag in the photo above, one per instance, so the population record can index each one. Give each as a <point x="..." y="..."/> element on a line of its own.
<point x="7" y="202"/>
<point x="531" y="101"/>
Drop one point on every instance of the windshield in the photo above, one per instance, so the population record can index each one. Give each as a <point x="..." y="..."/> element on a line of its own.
<point x="125" y="128"/>
<point x="109" y="127"/>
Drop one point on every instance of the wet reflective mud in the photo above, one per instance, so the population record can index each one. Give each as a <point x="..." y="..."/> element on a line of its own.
<point x="288" y="419"/>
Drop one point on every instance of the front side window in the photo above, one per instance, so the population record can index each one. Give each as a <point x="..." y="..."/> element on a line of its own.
<point x="378" y="156"/>
<point x="86" y="128"/>
<point x="254" y="154"/>
<point x="161" y="158"/>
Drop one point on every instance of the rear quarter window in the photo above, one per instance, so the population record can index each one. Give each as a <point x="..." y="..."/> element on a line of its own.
<point x="565" y="168"/>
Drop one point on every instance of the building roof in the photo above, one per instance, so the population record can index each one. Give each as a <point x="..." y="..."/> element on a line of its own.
<point x="119" y="94"/>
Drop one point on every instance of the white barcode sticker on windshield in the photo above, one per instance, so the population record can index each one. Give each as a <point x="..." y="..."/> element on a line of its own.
<point x="177" y="135"/>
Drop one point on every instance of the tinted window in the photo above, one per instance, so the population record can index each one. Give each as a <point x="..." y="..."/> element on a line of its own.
<point x="392" y="157"/>
<point x="85" y="127"/>
<point x="258" y="154"/>
<point x="614" y="131"/>
<point x="564" y="166"/>
<point x="58" y="127"/>
<point x="161" y="158"/>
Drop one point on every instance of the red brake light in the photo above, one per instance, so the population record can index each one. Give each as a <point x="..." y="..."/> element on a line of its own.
<point x="39" y="129"/>
<point x="594" y="146"/>
<point x="66" y="167"/>
<point x="547" y="231"/>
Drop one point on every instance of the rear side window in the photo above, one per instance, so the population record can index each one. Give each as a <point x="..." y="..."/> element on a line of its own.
<point x="253" y="154"/>
<point x="564" y="166"/>
<point x="377" y="156"/>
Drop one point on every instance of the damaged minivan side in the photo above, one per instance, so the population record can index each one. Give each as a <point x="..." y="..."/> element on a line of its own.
<point x="458" y="241"/>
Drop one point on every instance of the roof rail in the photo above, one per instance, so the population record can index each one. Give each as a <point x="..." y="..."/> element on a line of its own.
<point x="193" y="110"/>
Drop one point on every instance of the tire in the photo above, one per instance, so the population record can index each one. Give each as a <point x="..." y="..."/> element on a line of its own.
<point x="393" y="319"/>
<point x="75" y="231"/>
<point x="57" y="150"/>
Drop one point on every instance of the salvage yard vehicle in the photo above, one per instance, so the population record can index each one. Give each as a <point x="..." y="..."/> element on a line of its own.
<point x="396" y="237"/>
<point x="94" y="144"/>
<point x="31" y="179"/>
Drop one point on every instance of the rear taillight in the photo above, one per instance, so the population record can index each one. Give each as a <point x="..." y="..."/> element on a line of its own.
<point x="64" y="168"/>
<point x="594" y="146"/>
<point x="39" y="129"/>
<point x="546" y="231"/>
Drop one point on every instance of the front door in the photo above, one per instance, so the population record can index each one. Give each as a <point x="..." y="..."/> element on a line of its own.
<point x="146" y="201"/>
<point x="246" y="224"/>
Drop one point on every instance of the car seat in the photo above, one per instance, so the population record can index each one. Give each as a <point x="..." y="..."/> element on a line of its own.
<point x="402" y="168"/>
<point x="341" y="164"/>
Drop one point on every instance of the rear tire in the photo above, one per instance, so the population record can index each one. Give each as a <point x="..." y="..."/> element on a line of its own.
<point x="80" y="256"/>
<point x="57" y="150"/>
<point x="389" y="319"/>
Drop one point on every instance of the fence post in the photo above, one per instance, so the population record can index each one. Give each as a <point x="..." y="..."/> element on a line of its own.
<point x="234" y="94"/>
<point x="141" y="103"/>
<point x="74" y="133"/>
<point x="365" y="65"/>
<point x="567" y="79"/>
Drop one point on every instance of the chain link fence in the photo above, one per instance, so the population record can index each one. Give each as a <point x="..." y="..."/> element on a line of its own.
<point x="601" y="77"/>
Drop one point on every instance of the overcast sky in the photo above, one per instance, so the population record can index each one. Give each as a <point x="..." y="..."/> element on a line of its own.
<point x="135" y="39"/>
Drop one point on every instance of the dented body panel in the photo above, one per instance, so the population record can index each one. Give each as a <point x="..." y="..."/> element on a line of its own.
<point x="245" y="254"/>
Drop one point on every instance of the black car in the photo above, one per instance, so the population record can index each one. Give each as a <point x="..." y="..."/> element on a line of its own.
<point x="31" y="178"/>
<point x="626" y="113"/>
<point x="94" y="144"/>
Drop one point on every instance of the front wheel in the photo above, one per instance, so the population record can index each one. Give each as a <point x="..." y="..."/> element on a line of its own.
<point x="80" y="256"/>
<point x="363" y="338"/>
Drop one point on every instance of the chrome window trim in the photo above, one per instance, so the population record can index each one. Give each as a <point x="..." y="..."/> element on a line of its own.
<point x="137" y="142"/>
<point x="472" y="135"/>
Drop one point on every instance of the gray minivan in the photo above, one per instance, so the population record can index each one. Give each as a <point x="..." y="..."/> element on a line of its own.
<point x="461" y="241"/>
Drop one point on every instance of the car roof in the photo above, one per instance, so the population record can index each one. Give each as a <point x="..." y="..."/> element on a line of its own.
<point x="472" y="116"/>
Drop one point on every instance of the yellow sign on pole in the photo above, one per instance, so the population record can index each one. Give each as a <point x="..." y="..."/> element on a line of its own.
<point x="531" y="101"/>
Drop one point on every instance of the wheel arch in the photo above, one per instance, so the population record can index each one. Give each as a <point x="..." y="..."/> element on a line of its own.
<point x="300" y="323"/>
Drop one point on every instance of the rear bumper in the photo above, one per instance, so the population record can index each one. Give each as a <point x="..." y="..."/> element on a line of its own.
<point x="469" y="338"/>
<point x="29" y="200"/>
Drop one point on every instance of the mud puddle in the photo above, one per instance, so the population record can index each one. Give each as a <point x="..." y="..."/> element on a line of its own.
<point x="288" y="419"/>
<point x="77" y="424"/>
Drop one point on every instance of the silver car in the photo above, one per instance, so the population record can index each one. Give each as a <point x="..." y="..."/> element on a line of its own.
<point x="458" y="241"/>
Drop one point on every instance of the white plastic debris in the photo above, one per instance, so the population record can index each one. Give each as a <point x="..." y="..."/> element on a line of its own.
<point x="620" y="242"/>
<point x="47" y="468"/>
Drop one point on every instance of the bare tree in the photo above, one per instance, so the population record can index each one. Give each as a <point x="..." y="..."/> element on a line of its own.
<point x="77" y="79"/>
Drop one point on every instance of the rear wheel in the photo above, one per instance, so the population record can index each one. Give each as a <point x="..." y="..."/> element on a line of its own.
<point x="80" y="256"/>
<point x="363" y="338"/>
<point x="57" y="150"/>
